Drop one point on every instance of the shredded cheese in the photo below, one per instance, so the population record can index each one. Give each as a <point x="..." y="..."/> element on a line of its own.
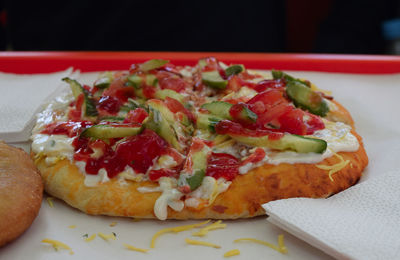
<point x="90" y="238"/>
<point x="107" y="237"/>
<point x="281" y="248"/>
<point x="130" y="247"/>
<point x="72" y="226"/>
<point x="232" y="253"/>
<point x="50" y="201"/>
<point x="113" y="224"/>
<point x="175" y="230"/>
<point x="204" y="231"/>
<point x="334" y="168"/>
<point x="57" y="245"/>
<point x="201" y="243"/>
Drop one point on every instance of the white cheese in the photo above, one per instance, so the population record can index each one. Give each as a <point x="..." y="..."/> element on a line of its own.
<point x="53" y="145"/>
<point x="170" y="197"/>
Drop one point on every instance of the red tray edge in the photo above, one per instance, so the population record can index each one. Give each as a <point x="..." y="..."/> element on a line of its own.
<point x="45" y="62"/>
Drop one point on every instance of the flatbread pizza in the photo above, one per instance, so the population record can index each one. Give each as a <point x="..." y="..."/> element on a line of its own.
<point x="191" y="142"/>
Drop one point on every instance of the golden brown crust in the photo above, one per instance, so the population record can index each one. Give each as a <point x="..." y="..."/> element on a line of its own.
<point x="21" y="190"/>
<point x="340" y="114"/>
<point x="243" y="199"/>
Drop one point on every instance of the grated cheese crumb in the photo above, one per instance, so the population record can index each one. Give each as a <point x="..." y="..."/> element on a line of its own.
<point x="107" y="237"/>
<point x="72" y="226"/>
<point x="201" y="243"/>
<point x="50" y="201"/>
<point x="127" y="246"/>
<point x="281" y="248"/>
<point x="88" y="239"/>
<point x="204" y="231"/>
<point x="334" y="168"/>
<point x="57" y="245"/>
<point x="175" y="230"/>
<point x="113" y="224"/>
<point x="232" y="253"/>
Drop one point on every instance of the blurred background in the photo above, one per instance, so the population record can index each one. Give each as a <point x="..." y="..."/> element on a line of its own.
<point x="301" y="26"/>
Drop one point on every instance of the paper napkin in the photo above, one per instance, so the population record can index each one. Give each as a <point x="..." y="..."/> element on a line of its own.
<point x="22" y="96"/>
<point x="362" y="222"/>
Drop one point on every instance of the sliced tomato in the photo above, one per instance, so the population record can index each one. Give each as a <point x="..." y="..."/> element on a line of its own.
<point x="269" y="98"/>
<point x="269" y="84"/>
<point x="222" y="165"/>
<point x="154" y="175"/>
<point x="292" y="122"/>
<point x="136" y="116"/>
<point x="108" y="105"/>
<point x="169" y="80"/>
<point x="273" y="113"/>
<point x="175" y="106"/>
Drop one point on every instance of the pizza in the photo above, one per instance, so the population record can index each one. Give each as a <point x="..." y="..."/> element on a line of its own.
<point x="189" y="142"/>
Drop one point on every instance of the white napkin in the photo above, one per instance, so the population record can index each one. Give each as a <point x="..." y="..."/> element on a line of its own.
<point x="362" y="222"/>
<point x="22" y="96"/>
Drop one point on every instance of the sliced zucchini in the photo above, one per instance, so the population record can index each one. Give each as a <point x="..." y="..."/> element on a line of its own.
<point x="89" y="106"/>
<point x="290" y="142"/>
<point x="207" y="121"/>
<point x="108" y="131"/>
<point x="152" y="64"/>
<point x="307" y="99"/>
<point x="218" y="108"/>
<point x="234" y="70"/>
<point x="163" y="93"/>
<point x="213" y="79"/>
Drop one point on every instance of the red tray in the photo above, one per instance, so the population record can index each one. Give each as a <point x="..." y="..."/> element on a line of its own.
<point x="44" y="62"/>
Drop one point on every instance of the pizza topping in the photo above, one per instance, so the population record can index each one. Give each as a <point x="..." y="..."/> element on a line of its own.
<point x="192" y="129"/>
<point x="57" y="245"/>
<point x="232" y="252"/>
<point x="201" y="243"/>
<point x="130" y="247"/>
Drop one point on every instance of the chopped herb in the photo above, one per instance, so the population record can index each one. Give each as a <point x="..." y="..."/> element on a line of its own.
<point x="85" y="236"/>
<point x="114" y="234"/>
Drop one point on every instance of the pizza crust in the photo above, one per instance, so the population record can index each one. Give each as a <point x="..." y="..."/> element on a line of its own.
<point x="243" y="198"/>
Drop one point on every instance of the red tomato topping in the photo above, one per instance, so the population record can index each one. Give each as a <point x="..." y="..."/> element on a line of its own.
<point x="69" y="128"/>
<point x="154" y="175"/>
<point x="176" y="106"/>
<point x="109" y="104"/>
<point x="222" y="165"/>
<point x="229" y="127"/>
<point x="118" y="90"/>
<point x="168" y="80"/>
<point x="136" y="116"/>
<point x="255" y="157"/>
<point x="269" y="84"/>
<point x="139" y="151"/>
<point x="300" y="122"/>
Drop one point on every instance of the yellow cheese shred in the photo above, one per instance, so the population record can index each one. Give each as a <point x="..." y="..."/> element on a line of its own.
<point x="232" y="253"/>
<point x="175" y="230"/>
<point x="57" y="245"/>
<point x="113" y="224"/>
<point x="50" y="201"/>
<point x="201" y="243"/>
<point x="107" y="237"/>
<point x="204" y="231"/>
<point x="72" y="226"/>
<point x="281" y="248"/>
<point x="88" y="239"/>
<point x="334" y="168"/>
<point x="130" y="247"/>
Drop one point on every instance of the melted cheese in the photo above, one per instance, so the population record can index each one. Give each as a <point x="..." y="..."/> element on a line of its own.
<point x="170" y="197"/>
